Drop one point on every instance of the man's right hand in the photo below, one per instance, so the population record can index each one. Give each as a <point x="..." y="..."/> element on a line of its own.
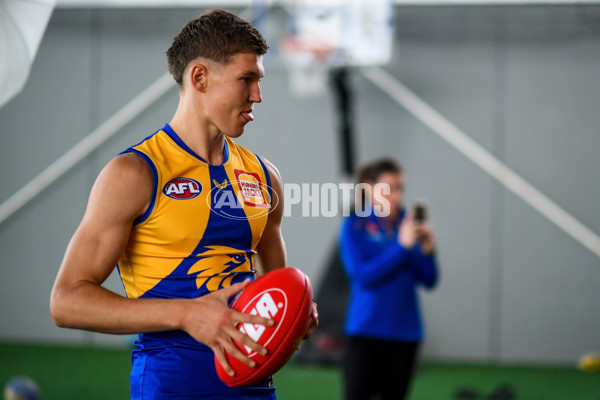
<point x="213" y="323"/>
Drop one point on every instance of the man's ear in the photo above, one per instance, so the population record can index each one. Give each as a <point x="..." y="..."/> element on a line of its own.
<point x="198" y="76"/>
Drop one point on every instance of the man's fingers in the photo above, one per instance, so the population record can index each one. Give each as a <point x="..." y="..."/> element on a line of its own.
<point x="251" y="323"/>
<point x="232" y="290"/>
<point x="230" y="331"/>
<point x="223" y="360"/>
<point x="311" y="328"/>
<point x="245" y="340"/>
<point x="235" y="352"/>
<point x="314" y="322"/>
<point x="247" y="318"/>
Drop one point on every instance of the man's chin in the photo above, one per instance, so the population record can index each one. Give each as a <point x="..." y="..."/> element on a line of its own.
<point x="234" y="131"/>
<point x="234" y="135"/>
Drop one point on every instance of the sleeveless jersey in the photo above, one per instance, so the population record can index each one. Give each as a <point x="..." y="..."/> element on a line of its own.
<point x="204" y="221"/>
<point x="198" y="235"/>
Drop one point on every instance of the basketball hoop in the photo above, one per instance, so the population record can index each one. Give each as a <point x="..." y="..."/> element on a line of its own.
<point x="308" y="63"/>
<point x="325" y="34"/>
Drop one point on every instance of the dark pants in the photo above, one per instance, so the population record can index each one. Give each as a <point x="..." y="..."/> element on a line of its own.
<point x="374" y="367"/>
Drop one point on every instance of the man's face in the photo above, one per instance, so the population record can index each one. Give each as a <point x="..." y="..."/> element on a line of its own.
<point x="396" y="184"/>
<point x="232" y="90"/>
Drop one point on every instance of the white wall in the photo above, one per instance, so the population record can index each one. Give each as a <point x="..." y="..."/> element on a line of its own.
<point x="520" y="81"/>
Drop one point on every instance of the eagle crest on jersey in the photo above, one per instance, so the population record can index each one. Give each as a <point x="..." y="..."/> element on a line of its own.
<point x="191" y="241"/>
<point x="223" y="265"/>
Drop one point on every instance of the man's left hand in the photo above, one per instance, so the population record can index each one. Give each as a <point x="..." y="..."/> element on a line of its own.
<point x="314" y="321"/>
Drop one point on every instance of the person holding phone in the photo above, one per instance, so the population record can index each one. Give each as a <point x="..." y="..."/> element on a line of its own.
<point x="387" y="252"/>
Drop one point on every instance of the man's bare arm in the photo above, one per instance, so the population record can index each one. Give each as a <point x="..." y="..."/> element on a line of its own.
<point x="271" y="248"/>
<point x="121" y="193"/>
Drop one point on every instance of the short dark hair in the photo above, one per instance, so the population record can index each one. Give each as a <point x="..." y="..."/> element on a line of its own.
<point x="216" y="35"/>
<point x="370" y="172"/>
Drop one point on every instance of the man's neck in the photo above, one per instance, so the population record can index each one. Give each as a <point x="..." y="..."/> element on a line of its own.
<point x="198" y="136"/>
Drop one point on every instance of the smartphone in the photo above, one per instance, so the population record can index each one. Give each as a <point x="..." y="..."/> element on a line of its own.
<point x="420" y="212"/>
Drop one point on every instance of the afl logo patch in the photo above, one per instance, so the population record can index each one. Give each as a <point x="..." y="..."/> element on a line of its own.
<point x="182" y="188"/>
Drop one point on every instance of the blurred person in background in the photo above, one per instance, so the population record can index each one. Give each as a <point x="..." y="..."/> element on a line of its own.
<point x="387" y="252"/>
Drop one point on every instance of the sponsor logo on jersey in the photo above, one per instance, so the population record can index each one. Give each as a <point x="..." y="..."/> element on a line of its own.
<point x="267" y="304"/>
<point x="251" y="188"/>
<point x="182" y="188"/>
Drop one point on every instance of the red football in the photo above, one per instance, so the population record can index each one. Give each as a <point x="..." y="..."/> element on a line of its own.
<point x="285" y="296"/>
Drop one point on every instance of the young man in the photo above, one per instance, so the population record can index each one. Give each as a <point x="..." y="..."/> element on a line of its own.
<point x="181" y="215"/>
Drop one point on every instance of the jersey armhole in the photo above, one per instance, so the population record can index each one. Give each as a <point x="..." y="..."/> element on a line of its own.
<point x="268" y="178"/>
<point x="148" y="161"/>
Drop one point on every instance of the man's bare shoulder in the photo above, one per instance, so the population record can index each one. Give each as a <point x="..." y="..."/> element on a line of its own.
<point x="273" y="171"/>
<point x="129" y="166"/>
<point x="126" y="182"/>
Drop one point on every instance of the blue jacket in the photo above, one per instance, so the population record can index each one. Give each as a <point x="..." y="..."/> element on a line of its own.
<point x="383" y="277"/>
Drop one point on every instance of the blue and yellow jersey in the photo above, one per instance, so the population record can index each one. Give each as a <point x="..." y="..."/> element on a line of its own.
<point x="203" y="224"/>
<point x="198" y="235"/>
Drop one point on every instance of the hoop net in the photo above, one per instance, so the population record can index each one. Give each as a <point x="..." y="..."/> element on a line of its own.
<point x="308" y="62"/>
